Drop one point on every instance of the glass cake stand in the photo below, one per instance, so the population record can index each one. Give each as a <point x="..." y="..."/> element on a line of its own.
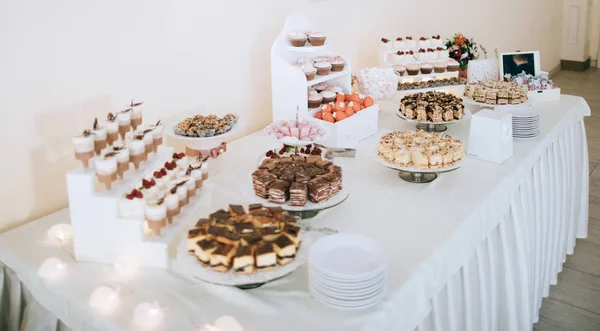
<point x="414" y="175"/>
<point x="434" y="126"/>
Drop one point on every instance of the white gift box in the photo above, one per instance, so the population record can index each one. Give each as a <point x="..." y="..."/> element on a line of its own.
<point x="348" y="132"/>
<point x="544" y="95"/>
<point x="490" y="137"/>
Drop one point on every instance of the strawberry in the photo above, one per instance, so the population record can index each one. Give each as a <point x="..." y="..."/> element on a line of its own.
<point x="152" y="182"/>
<point x="129" y="197"/>
<point x="181" y="155"/>
<point x="145" y="181"/>
<point x="269" y="153"/>
<point x="163" y="172"/>
<point x="175" y="155"/>
<point x="156" y="174"/>
<point x="301" y="150"/>
<point x="138" y="194"/>
<point x="167" y="165"/>
<point x="282" y="151"/>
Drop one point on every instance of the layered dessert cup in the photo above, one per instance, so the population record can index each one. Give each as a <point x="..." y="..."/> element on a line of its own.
<point x="136" y="114"/>
<point x="190" y="183"/>
<point x="112" y="128"/>
<point x="137" y="151"/>
<point x="106" y="168"/>
<point x="157" y="136"/>
<point x="124" y="119"/>
<point x="155" y="213"/>
<point x="99" y="137"/>
<point x="182" y="193"/>
<point x="84" y="147"/>
<point x="122" y="157"/>
<point x="172" y="203"/>
<point x="195" y="174"/>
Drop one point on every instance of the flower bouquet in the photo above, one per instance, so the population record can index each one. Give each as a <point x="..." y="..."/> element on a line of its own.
<point x="463" y="49"/>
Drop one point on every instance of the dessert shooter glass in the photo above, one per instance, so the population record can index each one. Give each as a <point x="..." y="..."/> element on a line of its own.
<point x="156" y="215"/>
<point x="106" y="169"/>
<point x="173" y="209"/>
<point x="136" y="152"/>
<point x="124" y="119"/>
<point x="84" y="147"/>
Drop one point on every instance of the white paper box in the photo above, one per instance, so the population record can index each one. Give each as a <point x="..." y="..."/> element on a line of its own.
<point x="348" y="132"/>
<point x="490" y="138"/>
<point x="544" y="95"/>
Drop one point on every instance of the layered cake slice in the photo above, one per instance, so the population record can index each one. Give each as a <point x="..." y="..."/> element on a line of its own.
<point x="194" y="236"/>
<point x="293" y="232"/>
<point x="261" y="180"/>
<point x="265" y="256"/>
<point x="298" y="194"/>
<point x="221" y="258"/>
<point x="203" y="250"/>
<point x="278" y="191"/>
<point x="243" y="261"/>
<point x="284" y="249"/>
<point x="319" y="190"/>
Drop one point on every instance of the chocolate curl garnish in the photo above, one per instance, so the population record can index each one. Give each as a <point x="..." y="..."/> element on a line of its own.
<point x="139" y="137"/>
<point x="173" y="190"/>
<point x="147" y="130"/>
<point x="202" y="159"/>
<point x="87" y="132"/>
<point x="189" y="170"/>
<point x="135" y="104"/>
<point x="125" y="110"/>
<point x="111" y="154"/>
<point x="157" y="123"/>
<point x="95" y="123"/>
<point x="160" y="201"/>
<point x="118" y="148"/>
<point x="111" y="117"/>
<point x="181" y="183"/>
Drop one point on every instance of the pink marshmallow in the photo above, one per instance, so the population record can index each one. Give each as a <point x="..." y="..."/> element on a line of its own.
<point x="291" y="124"/>
<point x="285" y="130"/>
<point x="305" y="131"/>
<point x="314" y="137"/>
<point x="278" y="135"/>
<point x="295" y="132"/>
<point x="306" y="139"/>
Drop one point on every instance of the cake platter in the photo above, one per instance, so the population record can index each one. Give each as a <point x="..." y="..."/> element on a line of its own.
<point x="415" y="175"/>
<point x="187" y="266"/>
<point x="507" y="107"/>
<point x="201" y="143"/>
<point x="434" y="126"/>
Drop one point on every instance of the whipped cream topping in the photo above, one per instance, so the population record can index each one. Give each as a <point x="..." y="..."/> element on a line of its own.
<point x="172" y="201"/>
<point x="328" y="94"/>
<point x="155" y="212"/>
<point x="322" y="65"/>
<point x="136" y="146"/>
<point x="297" y="35"/>
<point x="124" y="118"/>
<point x="182" y="192"/>
<point x="196" y="173"/>
<point x="83" y="144"/>
<point x="106" y="164"/>
<point x="308" y="68"/>
<point x="183" y="163"/>
<point x="190" y="184"/>
<point x="157" y="130"/>
<point x="123" y="155"/>
<point x="112" y="127"/>
<point x="314" y="96"/>
<point x="337" y="60"/>
<point x="317" y="34"/>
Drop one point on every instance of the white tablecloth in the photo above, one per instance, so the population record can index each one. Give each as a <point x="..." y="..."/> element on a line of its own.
<point x="474" y="250"/>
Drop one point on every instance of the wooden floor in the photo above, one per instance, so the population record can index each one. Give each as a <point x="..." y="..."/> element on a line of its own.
<point x="574" y="303"/>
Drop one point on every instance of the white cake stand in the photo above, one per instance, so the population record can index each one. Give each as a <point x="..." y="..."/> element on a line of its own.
<point x="292" y="141"/>
<point x="434" y="126"/>
<point x="415" y="175"/>
<point x="201" y="143"/>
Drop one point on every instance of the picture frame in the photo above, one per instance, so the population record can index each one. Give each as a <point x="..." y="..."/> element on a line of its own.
<point x="516" y="62"/>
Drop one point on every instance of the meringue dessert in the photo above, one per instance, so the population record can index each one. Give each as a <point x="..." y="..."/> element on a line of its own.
<point x="137" y="151"/>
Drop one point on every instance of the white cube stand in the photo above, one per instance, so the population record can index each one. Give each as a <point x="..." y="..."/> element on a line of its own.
<point x="544" y="95"/>
<point x="101" y="235"/>
<point x="490" y="137"/>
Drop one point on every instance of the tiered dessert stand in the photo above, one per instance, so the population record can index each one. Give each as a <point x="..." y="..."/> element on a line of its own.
<point x="414" y="175"/>
<point x="434" y="126"/>
<point x="102" y="235"/>
<point x="290" y="87"/>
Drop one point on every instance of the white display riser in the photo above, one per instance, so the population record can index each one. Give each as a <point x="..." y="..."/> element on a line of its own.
<point x="434" y="75"/>
<point x="289" y="87"/>
<point x="347" y="133"/>
<point x="385" y="61"/>
<point x="458" y="90"/>
<point x="101" y="235"/>
<point x="544" y="95"/>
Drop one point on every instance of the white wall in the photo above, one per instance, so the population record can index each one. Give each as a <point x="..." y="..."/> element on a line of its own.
<point x="65" y="61"/>
<point x="595" y="29"/>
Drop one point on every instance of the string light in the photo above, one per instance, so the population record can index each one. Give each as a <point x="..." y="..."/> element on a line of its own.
<point x="105" y="300"/>
<point x="148" y="315"/>
<point x="61" y="232"/>
<point x="228" y="323"/>
<point x="52" y="269"/>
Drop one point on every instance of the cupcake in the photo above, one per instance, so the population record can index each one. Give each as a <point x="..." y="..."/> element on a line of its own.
<point x="413" y="69"/>
<point x="317" y="38"/>
<point x="337" y="63"/>
<point x="323" y="68"/>
<point x="304" y="60"/>
<point x="314" y="99"/>
<point x="298" y="39"/>
<point x="320" y="87"/>
<point x="320" y="58"/>
<point x="386" y="44"/>
<point x="328" y="95"/>
<point x="410" y="43"/>
<point x="310" y="71"/>
<point x="453" y="66"/>
<point x="400" y="69"/>
<point x="439" y="67"/>
<point x="427" y="68"/>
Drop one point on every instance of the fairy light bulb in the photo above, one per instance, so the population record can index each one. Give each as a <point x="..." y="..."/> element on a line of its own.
<point x="148" y="315"/>
<point x="105" y="300"/>
<point x="52" y="269"/>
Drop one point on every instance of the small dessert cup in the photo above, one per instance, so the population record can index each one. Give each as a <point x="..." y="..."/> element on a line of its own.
<point x="155" y="213"/>
<point x="84" y="147"/>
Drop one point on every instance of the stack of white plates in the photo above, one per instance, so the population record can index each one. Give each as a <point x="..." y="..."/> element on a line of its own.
<point x="348" y="271"/>
<point x="526" y="124"/>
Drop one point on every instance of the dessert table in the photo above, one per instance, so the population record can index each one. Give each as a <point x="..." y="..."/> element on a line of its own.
<point x="476" y="249"/>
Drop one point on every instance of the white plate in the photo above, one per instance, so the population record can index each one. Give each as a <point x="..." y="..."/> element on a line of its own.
<point x="348" y="305"/>
<point x="201" y="143"/>
<point x="293" y="141"/>
<point x="465" y="117"/>
<point x="376" y="291"/>
<point x="348" y="288"/>
<point x="188" y="266"/>
<point x="351" y="294"/>
<point x="350" y="256"/>
<point x="414" y="169"/>
<point x="348" y="280"/>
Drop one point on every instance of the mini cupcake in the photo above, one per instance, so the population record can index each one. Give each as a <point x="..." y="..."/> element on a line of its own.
<point x="320" y="87"/>
<point x="310" y="71"/>
<point x="314" y="99"/>
<point x="328" y="95"/>
<point x="337" y="63"/>
<point x="453" y="66"/>
<point x="320" y="58"/>
<point x="439" y="67"/>
<point x="304" y="60"/>
<point x="297" y="39"/>
<point x="400" y="69"/>
<point x="323" y="68"/>
<point x="426" y="69"/>
<point x="317" y="38"/>
<point x="413" y="69"/>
